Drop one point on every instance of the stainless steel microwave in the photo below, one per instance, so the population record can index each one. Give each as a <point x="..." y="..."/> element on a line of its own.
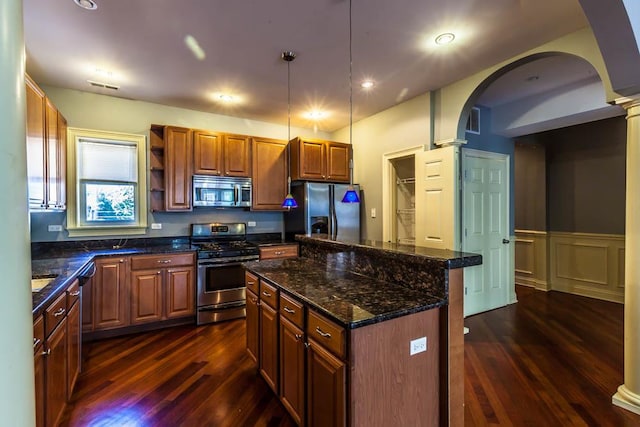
<point x="221" y="192"/>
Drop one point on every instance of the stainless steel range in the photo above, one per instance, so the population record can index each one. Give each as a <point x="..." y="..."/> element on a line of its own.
<point x="221" y="248"/>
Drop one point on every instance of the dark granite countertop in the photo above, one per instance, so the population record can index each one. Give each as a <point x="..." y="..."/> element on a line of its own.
<point x="353" y="300"/>
<point x="450" y="259"/>
<point x="66" y="260"/>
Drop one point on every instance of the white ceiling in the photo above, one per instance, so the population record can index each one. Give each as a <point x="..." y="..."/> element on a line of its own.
<point x="142" y="43"/>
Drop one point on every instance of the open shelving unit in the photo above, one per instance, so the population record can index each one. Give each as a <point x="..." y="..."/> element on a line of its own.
<point x="405" y="201"/>
<point x="156" y="169"/>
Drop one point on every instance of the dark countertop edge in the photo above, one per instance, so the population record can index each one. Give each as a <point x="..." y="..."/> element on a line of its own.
<point x="53" y="290"/>
<point x="346" y="324"/>
<point x="450" y="259"/>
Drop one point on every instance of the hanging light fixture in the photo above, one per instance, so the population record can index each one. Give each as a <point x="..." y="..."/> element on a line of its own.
<point x="351" y="195"/>
<point x="289" y="202"/>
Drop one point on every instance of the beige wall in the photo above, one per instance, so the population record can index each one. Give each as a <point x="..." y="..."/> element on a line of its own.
<point x="402" y="126"/>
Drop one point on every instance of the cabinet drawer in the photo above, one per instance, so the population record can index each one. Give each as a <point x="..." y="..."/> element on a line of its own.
<point x="251" y="282"/>
<point x="269" y="294"/>
<point x="148" y="262"/>
<point x="54" y="314"/>
<point x="73" y="294"/>
<point x="280" y="251"/>
<point x="326" y="333"/>
<point x="292" y="310"/>
<point x="38" y="333"/>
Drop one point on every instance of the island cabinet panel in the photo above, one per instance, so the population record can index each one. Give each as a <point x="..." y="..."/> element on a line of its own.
<point x="319" y="160"/>
<point x="411" y="383"/>
<point x="146" y="296"/>
<point x="268" y="343"/>
<point x="178" y="168"/>
<point x="292" y="372"/>
<point x="56" y="374"/>
<point x="326" y="384"/>
<point x="179" y="292"/>
<point x="237" y="155"/>
<point x="269" y="171"/>
<point x="207" y="153"/>
<point x="111" y="293"/>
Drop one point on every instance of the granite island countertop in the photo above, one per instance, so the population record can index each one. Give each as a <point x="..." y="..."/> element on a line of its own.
<point x="351" y="299"/>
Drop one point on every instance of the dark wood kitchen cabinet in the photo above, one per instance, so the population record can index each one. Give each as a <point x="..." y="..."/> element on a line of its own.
<point x="253" y="313"/>
<point x="162" y="287"/>
<point x="74" y="336"/>
<point x="268" y="342"/>
<point x="111" y="293"/>
<point x="170" y="168"/>
<point x="38" y="367"/>
<point x="269" y="164"/>
<point x="319" y="160"/>
<point x="288" y="250"/>
<point x="46" y="132"/>
<point x="221" y="154"/>
<point x="292" y="357"/>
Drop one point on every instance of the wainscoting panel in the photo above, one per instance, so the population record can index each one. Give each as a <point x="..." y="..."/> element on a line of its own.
<point x="586" y="264"/>
<point x="531" y="259"/>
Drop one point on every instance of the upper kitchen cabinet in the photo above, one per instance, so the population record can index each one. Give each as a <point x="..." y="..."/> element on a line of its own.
<point x="221" y="154"/>
<point x="171" y="155"/>
<point x="318" y="160"/>
<point x="46" y="150"/>
<point x="269" y="173"/>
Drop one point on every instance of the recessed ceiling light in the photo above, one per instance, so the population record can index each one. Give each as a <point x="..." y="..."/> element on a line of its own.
<point x="367" y="84"/>
<point x="445" y="38"/>
<point x="86" y="4"/>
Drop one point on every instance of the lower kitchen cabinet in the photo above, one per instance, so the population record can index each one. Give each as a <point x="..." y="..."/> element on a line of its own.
<point x="38" y="368"/>
<point x="253" y="313"/>
<point x="146" y="296"/>
<point x="292" y="370"/>
<point x="179" y="292"/>
<point x="56" y="374"/>
<point x="74" y="336"/>
<point x="268" y="343"/>
<point x="110" y="293"/>
<point x="326" y="376"/>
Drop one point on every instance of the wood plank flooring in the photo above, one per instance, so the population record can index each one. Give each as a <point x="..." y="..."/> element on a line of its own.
<point x="551" y="360"/>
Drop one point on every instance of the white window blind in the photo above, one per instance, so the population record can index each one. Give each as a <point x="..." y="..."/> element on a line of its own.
<point x="107" y="161"/>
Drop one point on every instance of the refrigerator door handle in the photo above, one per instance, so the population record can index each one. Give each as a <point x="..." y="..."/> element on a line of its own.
<point x="333" y="220"/>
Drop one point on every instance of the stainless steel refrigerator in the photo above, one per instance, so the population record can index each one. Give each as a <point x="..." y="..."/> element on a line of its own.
<point x="321" y="211"/>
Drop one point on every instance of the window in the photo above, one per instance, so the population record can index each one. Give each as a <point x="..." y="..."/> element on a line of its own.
<point x="473" y="122"/>
<point x="107" y="171"/>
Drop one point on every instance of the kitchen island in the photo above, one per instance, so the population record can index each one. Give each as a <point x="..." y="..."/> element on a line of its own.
<point x="382" y="328"/>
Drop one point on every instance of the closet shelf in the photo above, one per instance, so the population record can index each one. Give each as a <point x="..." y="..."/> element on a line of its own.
<point x="406" y="181"/>
<point x="406" y="211"/>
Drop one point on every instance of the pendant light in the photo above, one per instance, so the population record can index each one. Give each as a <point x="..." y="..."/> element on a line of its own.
<point x="289" y="202"/>
<point x="351" y="195"/>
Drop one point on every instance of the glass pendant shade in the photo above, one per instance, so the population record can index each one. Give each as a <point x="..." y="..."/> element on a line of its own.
<point x="350" y="196"/>
<point x="289" y="202"/>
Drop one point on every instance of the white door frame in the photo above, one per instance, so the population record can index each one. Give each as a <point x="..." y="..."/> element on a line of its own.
<point x="510" y="288"/>
<point x="388" y="186"/>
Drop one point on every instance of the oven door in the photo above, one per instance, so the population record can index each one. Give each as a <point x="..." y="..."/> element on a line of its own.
<point x="220" y="284"/>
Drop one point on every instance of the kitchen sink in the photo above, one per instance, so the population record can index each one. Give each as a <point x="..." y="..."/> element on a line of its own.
<point x="39" y="282"/>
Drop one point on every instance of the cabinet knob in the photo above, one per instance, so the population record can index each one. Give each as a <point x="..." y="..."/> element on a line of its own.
<point x="47" y="352"/>
<point x="121" y="261"/>
<point x="298" y="337"/>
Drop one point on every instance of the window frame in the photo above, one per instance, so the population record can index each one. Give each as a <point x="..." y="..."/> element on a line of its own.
<point x="75" y="225"/>
<point x="469" y="128"/>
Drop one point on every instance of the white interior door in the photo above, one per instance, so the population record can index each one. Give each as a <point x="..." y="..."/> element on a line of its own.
<point x="485" y="224"/>
<point x="436" y="202"/>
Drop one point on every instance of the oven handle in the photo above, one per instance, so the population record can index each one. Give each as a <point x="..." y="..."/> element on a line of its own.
<point x="218" y="264"/>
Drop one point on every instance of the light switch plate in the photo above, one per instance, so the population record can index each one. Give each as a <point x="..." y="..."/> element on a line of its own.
<point x="156" y="226"/>
<point x="373" y="212"/>
<point x="54" y="228"/>
<point x="251" y="223"/>
<point x="418" y="346"/>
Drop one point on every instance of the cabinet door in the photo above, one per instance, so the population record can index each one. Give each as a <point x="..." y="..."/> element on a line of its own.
<point x="207" y="153"/>
<point x="269" y="346"/>
<point x="35" y="144"/>
<point x="292" y="369"/>
<point x="178" y="166"/>
<point x="325" y="388"/>
<point x="52" y="149"/>
<point x="269" y="174"/>
<point x="312" y="160"/>
<point x="56" y="374"/>
<point x="180" y="292"/>
<point x="338" y="156"/>
<point x="73" y="347"/>
<point x="252" y="325"/>
<point x="110" y="293"/>
<point x="237" y="155"/>
<point x="38" y="367"/>
<point x="87" y="306"/>
<point x="62" y="161"/>
<point x="146" y="296"/>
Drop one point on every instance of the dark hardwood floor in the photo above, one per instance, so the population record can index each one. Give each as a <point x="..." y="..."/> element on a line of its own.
<point x="550" y="360"/>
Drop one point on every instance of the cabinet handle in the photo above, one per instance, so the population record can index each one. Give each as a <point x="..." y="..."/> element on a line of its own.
<point x="307" y="345"/>
<point x="298" y="337"/>
<point x="74" y="294"/>
<point x="47" y="352"/>
<point x="159" y="272"/>
<point x="164" y="261"/>
<point x="59" y="313"/>
<point x="36" y="342"/>
<point x="322" y="333"/>
<point x="288" y="310"/>
<point x="279" y="253"/>
<point x="266" y="294"/>
<point x="254" y="300"/>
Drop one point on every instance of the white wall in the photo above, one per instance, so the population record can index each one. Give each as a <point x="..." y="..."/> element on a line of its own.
<point x="402" y="126"/>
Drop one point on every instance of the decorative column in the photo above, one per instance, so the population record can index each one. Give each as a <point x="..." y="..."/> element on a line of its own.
<point x="628" y="395"/>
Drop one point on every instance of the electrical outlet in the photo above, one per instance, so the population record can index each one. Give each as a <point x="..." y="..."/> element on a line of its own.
<point x="417" y="346"/>
<point x="54" y="228"/>
<point x="373" y="212"/>
<point x="251" y="224"/>
<point x="156" y="226"/>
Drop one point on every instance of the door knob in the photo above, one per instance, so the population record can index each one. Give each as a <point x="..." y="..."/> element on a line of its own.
<point x="505" y="241"/>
